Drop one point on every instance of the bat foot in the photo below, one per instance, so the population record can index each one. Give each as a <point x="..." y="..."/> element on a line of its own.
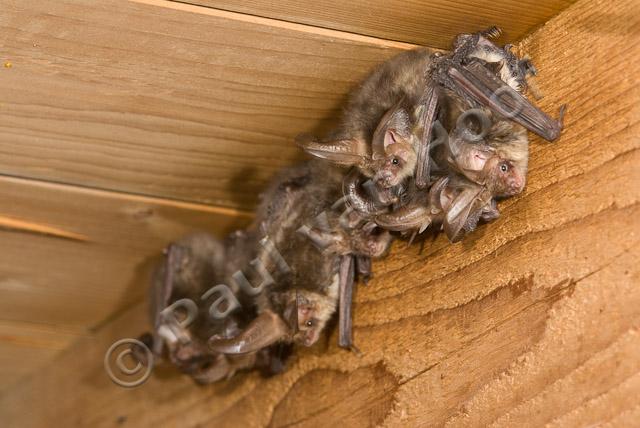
<point x="353" y="348"/>
<point x="492" y="33"/>
<point x="413" y="237"/>
<point x="563" y="109"/>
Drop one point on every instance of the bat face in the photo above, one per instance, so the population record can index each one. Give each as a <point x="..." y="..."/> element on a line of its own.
<point x="314" y="310"/>
<point x="394" y="155"/>
<point x="309" y="326"/>
<point x="398" y="163"/>
<point x="480" y="164"/>
<point x="503" y="177"/>
<point x="490" y="153"/>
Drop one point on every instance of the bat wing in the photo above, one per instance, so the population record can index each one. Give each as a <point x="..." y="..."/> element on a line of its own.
<point x="479" y="83"/>
<point x="347" y="280"/>
<point x="428" y="114"/>
<point x="162" y="290"/>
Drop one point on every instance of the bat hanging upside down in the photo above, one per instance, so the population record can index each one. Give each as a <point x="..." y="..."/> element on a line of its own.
<point x="428" y="139"/>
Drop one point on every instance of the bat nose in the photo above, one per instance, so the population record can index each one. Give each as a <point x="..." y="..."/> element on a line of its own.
<point x="516" y="185"/>
<point x="385" y="178"/>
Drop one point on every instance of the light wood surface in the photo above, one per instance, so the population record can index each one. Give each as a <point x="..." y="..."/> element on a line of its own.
<point x="78" y="282"/>
<point x="28" y="346"/>
<point x="531" y="320"/>
<point x="179" y="104"/>
<point x="166" y="99"/>
<point x="429" y="23"/>
<point x="74" y="257"/>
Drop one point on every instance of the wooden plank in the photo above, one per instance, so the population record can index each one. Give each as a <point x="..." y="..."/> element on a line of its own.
<point x="47" y="277"/>
<point x="432" y="23"/>
<point x="166" y="99"/>
<point x="25" y="347"/>
<point x="531" y="320"/>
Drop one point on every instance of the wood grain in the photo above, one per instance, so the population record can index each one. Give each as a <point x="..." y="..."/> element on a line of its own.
<point x="531" y="320"/>
<point x="28" y="346"/>
<point x="73" y="257"/>
<point x="75" y="283"/>
<point x="432" y="23"/>
<point x="166" y="99"/>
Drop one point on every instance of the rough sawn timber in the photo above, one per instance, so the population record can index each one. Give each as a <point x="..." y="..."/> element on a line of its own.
<point x="531" y="320"/>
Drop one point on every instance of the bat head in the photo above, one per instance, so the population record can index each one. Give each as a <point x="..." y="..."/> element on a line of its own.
<point x="373" y="243"/>
<point x="490" y="152"/>
<point x="506" y="170"/>
<point x="397" y="162"/>
<point x="393" y="147"/>
<point x="313" y="310"/>
<point x="504" y="178"/>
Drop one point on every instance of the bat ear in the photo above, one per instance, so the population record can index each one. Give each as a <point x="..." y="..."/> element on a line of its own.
<point x="390" y="137"/>
<point x="413" y="216"/>
<point x="483" y="86"/>
<point x="385" y="134"/>
<point x="263" y="331"/>
<point x="464" y="213"/>
<point x="348" y="151"/>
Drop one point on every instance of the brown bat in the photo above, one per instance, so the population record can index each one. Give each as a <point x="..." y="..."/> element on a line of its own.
<point x="302" y="297"/>
<point x="414" y="85"/>
<point x="379" y="127"/>
<point x="191" y="266"/>
<point x="388" y="160"/>
<point x="181" y="297"/>
<point x="488" y="151"/>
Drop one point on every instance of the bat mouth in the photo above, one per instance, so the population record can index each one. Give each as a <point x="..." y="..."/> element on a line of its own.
<point x="308" y="338"/>
<point x="387" y="180"/>
<point x="514" y="187"/>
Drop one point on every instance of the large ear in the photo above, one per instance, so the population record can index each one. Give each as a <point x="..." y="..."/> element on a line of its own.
<point x="385" y="133"/>
<point x="263" y="331"/>
<point x="478" y="82"/>
<point x="414" y="216"/>
<point x="464" y="213"/>
<point x="162" y="289"/>
<point x="350" y="151"/>
<point x="356" y="199"/>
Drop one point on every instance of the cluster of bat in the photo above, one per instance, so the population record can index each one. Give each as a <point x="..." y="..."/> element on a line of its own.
<point x="427" y="139"/>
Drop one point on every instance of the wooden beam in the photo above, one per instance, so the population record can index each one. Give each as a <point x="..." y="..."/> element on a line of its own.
<point x="49" y="278"/>
<point x="166" y="99"/>
<point x="74" y="257"/>
<point x="27" y="346"/>
<point x="434" y="23"/>
<point x="533" y="319"/>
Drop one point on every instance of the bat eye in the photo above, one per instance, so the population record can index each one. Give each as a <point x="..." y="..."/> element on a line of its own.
<point x="504" y="167"/>
<point x="309" y="323"/>
<point x="395" y="161"/>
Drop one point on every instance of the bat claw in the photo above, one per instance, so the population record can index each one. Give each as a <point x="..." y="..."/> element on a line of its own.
<point x="492" y="32"/>
<point x="413" y="236"/>
<point x="563" y="109"/>
<point x="356" y="351"/>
